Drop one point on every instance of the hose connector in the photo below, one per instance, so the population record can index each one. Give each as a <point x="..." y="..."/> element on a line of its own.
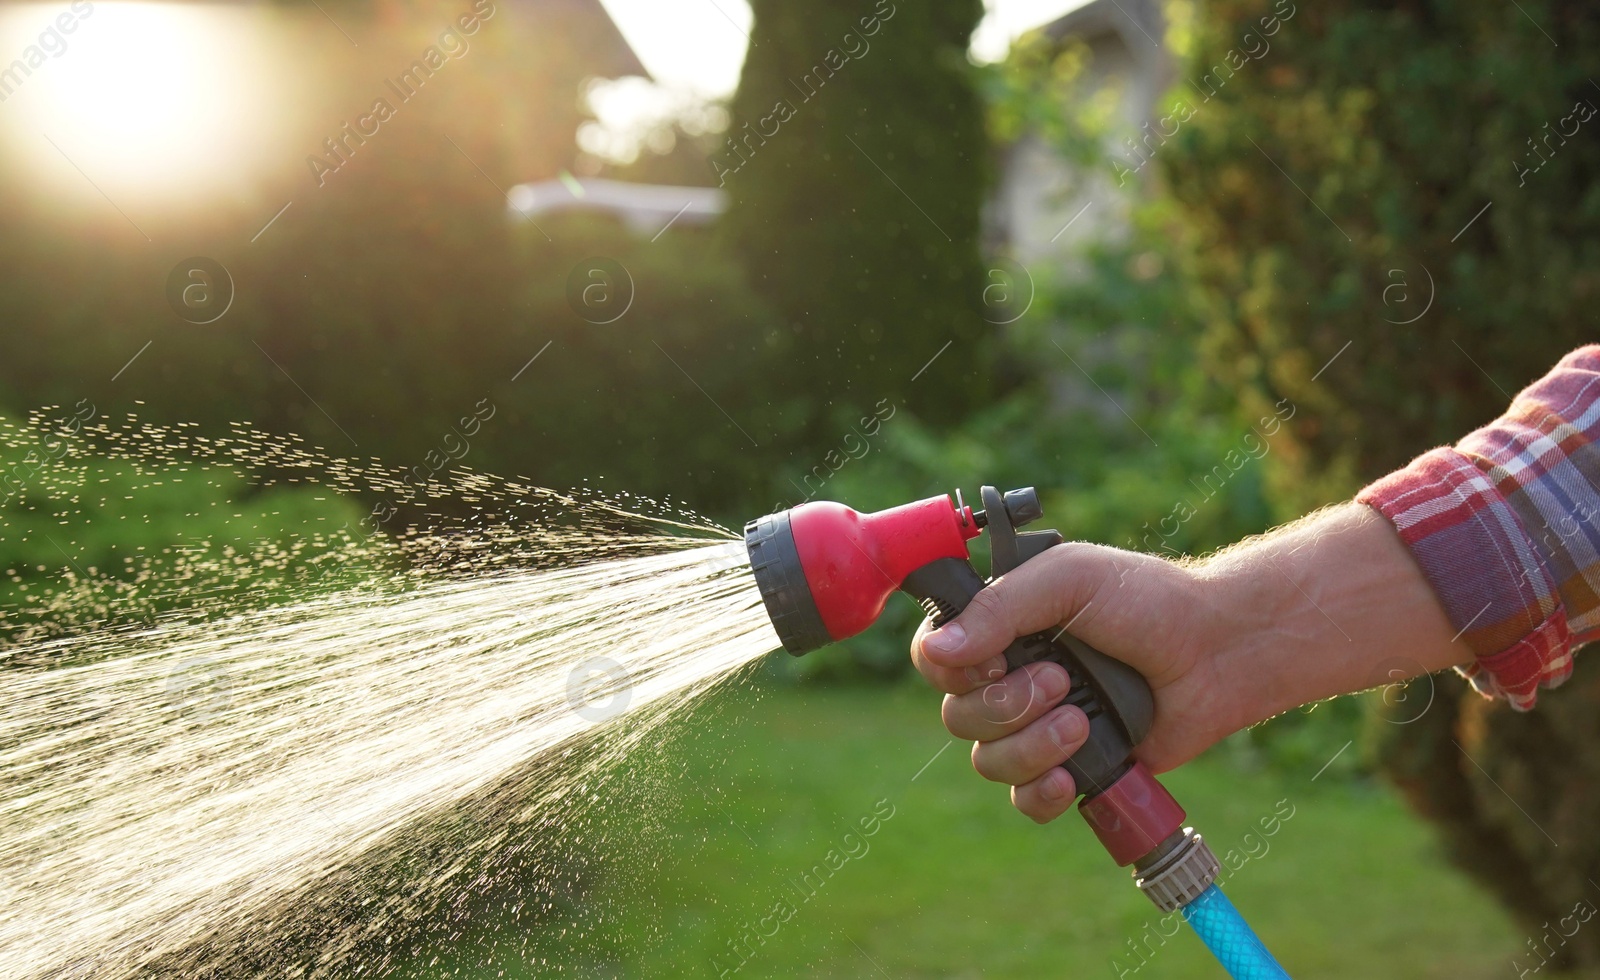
<point x="1176" y="872"/>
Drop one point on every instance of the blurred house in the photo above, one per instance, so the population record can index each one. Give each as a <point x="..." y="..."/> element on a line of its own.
<point x="517" y="104"/>
<point x="580" y="25"/>
<point x="585" y="22"/>
<point x="1043" y="205"/>
<point x="559" y="45"/>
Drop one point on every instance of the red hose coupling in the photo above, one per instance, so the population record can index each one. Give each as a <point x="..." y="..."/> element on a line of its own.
<point x="1133" y="815"/>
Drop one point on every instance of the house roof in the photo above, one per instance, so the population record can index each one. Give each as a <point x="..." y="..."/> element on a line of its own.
<point x="1138" y="23"/>
<point x="590" y="20"/>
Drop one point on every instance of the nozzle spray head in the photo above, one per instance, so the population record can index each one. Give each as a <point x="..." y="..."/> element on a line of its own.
<point x="825" y="573"/>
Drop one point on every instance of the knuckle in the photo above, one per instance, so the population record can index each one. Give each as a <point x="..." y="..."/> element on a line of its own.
<point x="929" y="671"/>
<point x="948" y="712"/>
<point x="989" y="608"/>
<point x="1031" y="800"/>
<point x="943" y="678"/>
<point x="1060" y="564"/>
<point x="949" y="681"/>
<point x="1029" y="805"/>
<point x="1085" y="570"/>
<point x="1007" y="702"/>
<point x="1063" y="557"/>
<point x="1071" y="787"/>
<point x="1067" y="730"/>
<point x="963" y="716"/>
<point x="1043" y="755"/>
<point x="999" y="695"/>
<point x="983" y="764"/>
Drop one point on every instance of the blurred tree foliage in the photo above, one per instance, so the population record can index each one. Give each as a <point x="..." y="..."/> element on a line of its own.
<point x="402" y="296"/>
<point x="1391" y="217"/>
<point x="855" y="166"/>
<point x="1401" y="122"/>
<point x="1105" y="409"/>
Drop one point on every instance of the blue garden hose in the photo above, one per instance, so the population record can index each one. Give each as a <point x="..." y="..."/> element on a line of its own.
<point x="1180" y="874"/>
<point x="1230" y="939"/>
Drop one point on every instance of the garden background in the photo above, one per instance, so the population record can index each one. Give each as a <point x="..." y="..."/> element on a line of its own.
<point x="1276" y="244"/>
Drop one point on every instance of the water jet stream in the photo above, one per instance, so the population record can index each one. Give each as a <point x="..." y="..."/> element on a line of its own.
<point x="179" y="781"/>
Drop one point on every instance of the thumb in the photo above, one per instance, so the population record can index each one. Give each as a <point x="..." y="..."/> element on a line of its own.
<point x="1047" y="591"/>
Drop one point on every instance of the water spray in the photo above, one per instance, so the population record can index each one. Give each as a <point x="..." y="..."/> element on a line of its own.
<point x="826" y="572"/>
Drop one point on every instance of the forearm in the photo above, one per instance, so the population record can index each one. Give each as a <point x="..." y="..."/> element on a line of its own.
<point x="1328" y="605"/>
<point x="1484" y="556"/>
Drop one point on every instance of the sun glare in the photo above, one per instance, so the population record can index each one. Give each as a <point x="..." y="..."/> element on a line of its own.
<point x="152" y="98"/>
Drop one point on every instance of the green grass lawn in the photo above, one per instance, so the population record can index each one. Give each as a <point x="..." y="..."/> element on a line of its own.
<point x="735" y="806"/>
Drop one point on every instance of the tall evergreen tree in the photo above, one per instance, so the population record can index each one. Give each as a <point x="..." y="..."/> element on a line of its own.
<point x="855" y="167"/>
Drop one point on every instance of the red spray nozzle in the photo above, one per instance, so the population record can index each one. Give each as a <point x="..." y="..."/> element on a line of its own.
<point x="826" y="571"/>
<point x="853" y="562"/>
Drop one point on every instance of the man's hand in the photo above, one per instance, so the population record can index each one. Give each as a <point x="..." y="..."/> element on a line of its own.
<point x="1310" y="611"/>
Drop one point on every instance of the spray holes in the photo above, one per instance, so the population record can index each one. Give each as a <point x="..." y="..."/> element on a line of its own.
<point x="199" y="689"/>
<point x="599" y="689"/>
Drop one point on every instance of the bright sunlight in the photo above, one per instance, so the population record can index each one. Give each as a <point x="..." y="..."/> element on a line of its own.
<point x="147" y="98"/>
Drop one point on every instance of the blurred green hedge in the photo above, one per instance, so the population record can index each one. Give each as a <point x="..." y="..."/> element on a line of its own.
<point x="1391" y="214"/>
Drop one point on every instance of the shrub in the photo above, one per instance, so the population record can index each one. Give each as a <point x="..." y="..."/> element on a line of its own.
<point x="1392" y="220"/>
<point x="855" y="167"/>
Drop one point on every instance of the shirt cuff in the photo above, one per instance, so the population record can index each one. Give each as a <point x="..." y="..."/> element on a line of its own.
<point x="1485" y="571"/>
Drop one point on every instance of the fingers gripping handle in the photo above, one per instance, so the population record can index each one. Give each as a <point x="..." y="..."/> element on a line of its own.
<point x="1114" y="696"/>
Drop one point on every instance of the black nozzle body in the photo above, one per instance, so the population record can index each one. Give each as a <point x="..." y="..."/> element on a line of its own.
<point x="782" y="582"/>
<point x="1114" y="696"/>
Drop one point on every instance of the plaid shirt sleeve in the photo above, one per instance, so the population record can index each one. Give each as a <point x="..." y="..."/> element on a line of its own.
<point x="1506" y="528"/>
